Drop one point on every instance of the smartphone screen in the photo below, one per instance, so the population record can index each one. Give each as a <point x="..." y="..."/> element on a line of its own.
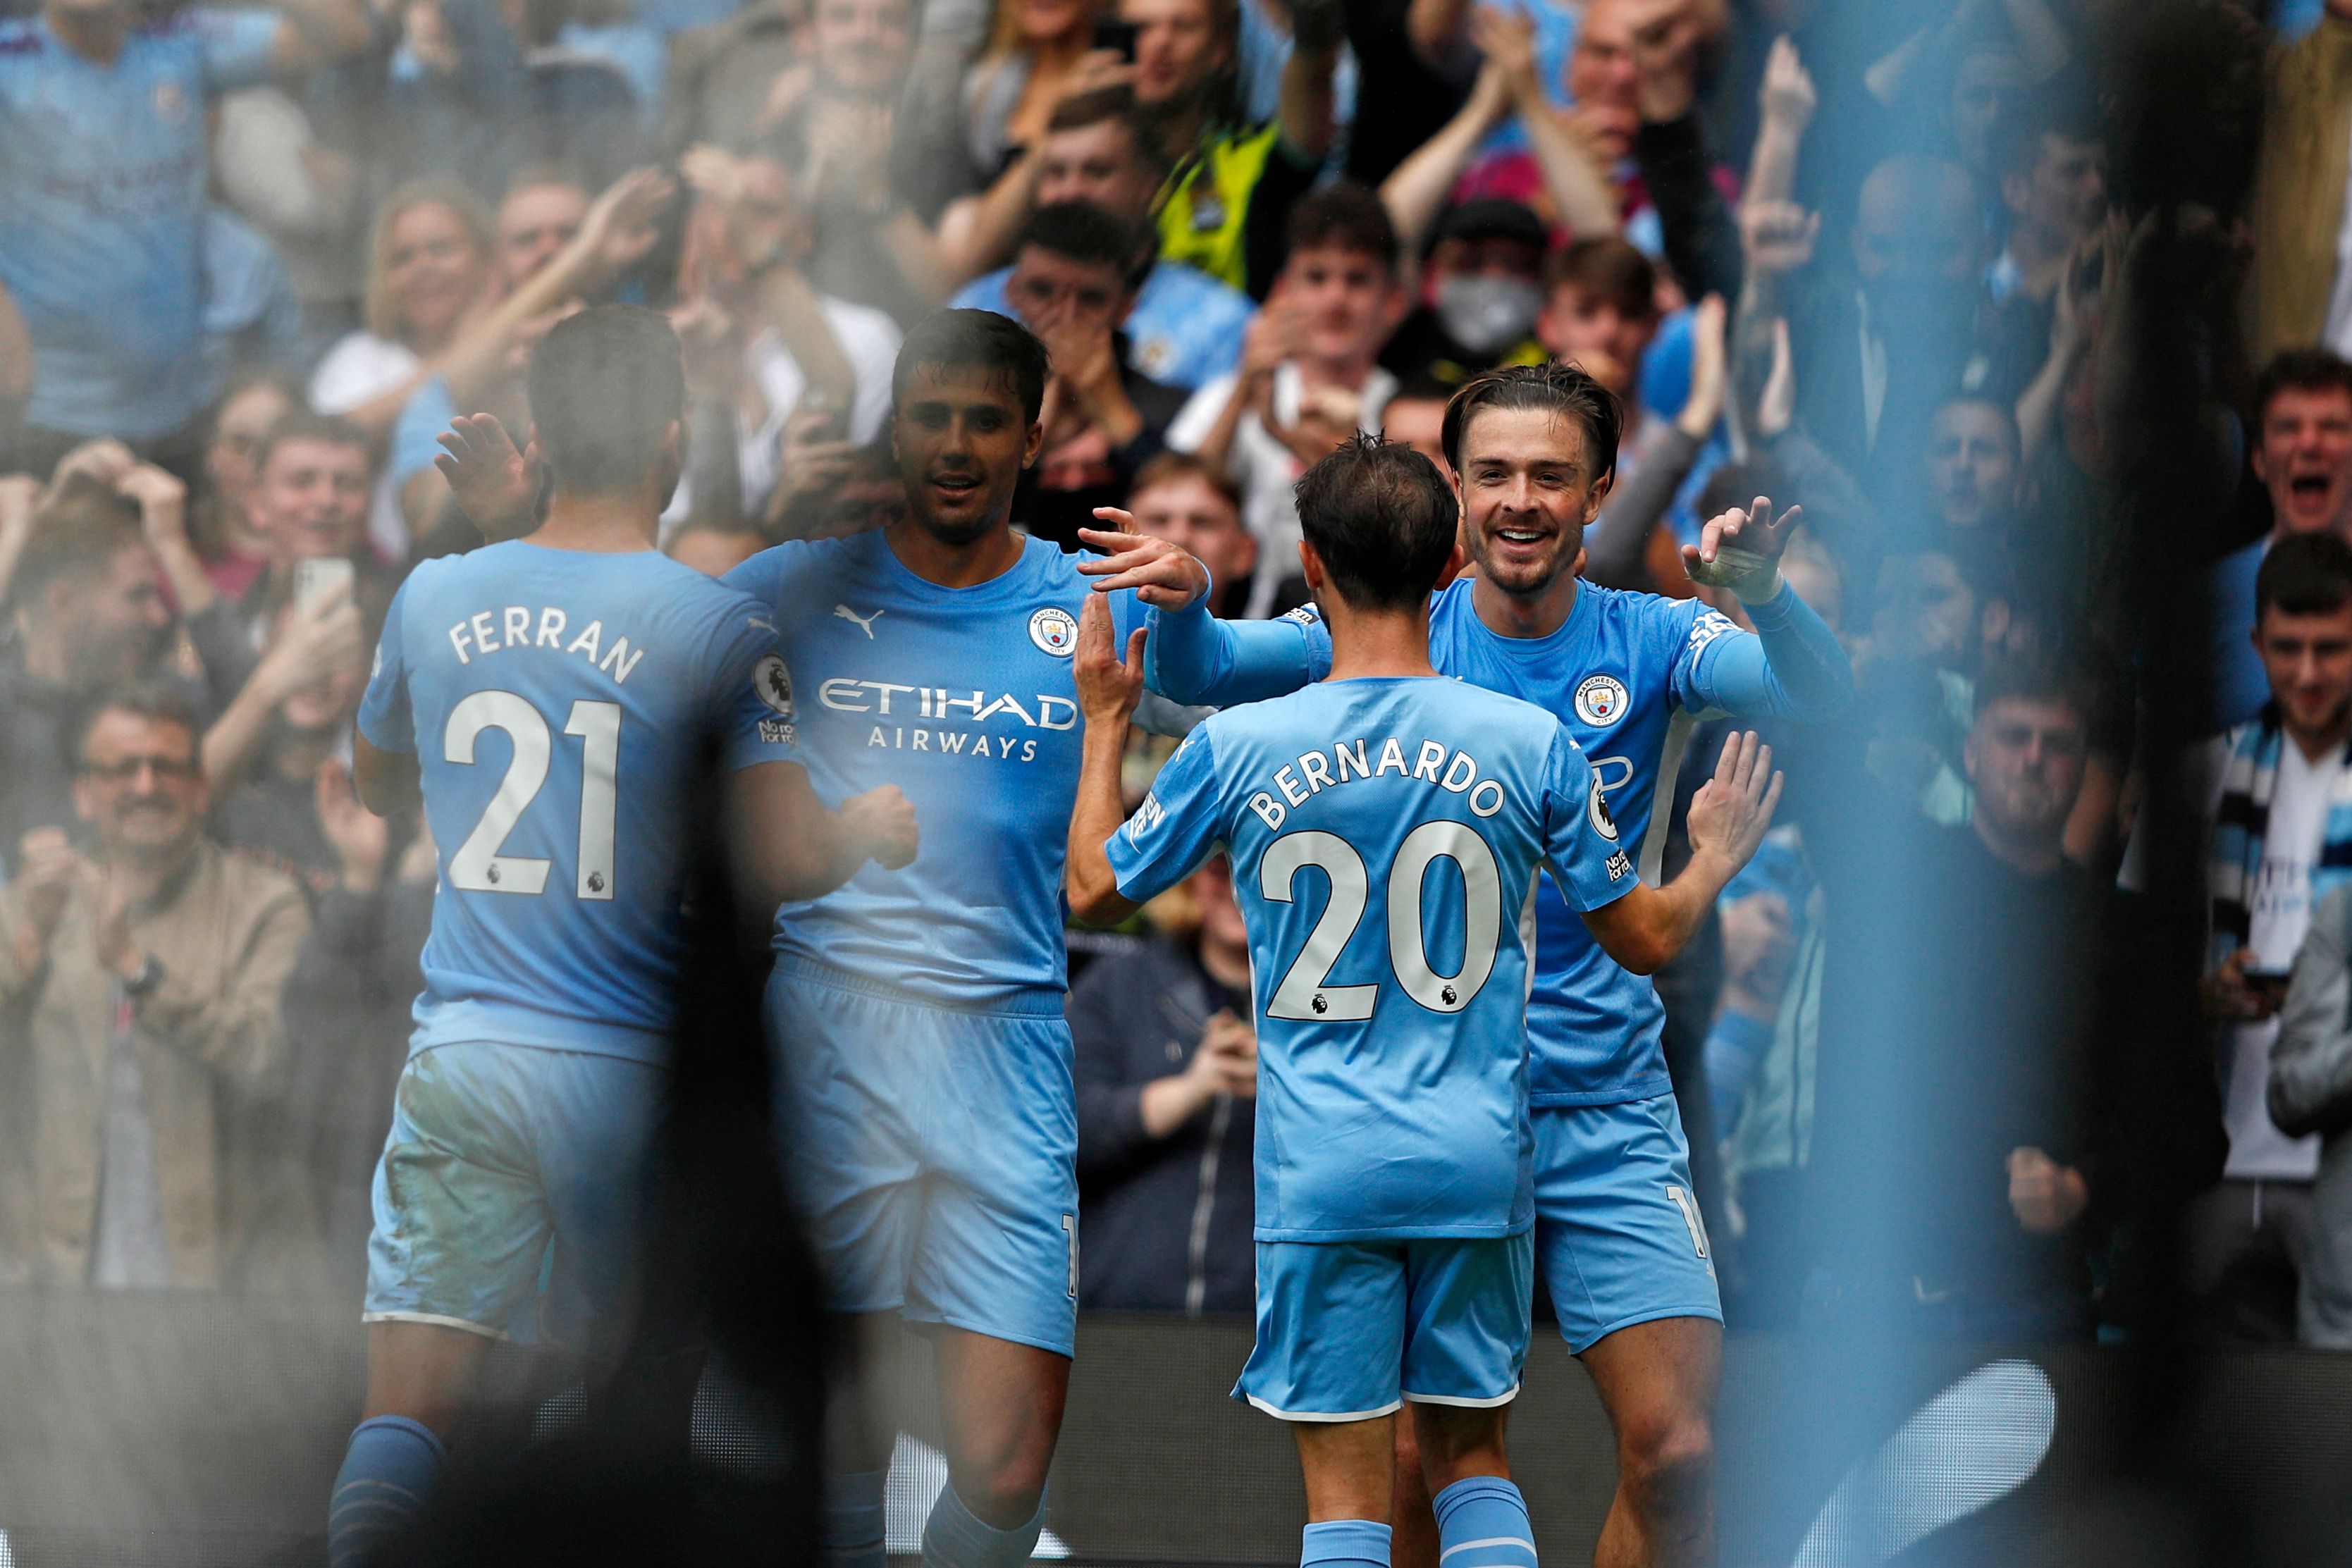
<point x="316" y="578"/>
<point x="1116" y="36"/>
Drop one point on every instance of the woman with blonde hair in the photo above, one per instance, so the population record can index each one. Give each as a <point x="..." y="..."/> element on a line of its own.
<point x="429" y="270"/>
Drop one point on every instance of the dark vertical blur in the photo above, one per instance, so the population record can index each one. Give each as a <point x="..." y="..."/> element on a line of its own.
<point x="697" y="1438"/>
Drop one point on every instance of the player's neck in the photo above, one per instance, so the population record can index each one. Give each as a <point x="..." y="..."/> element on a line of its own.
<point x="944" y="564"/>
<point x="1371" y="645"/>
<point x="1536" y="615"/>
<point x="617" y="524"/>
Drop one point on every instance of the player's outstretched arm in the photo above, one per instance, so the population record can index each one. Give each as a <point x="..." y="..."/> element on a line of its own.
<point x="789" y="848"/>
<point x="1794" y="667"/>
<point x="1195" y="659"/>
<point x="1646" y="928"/>
<point x="1109" y="688"/>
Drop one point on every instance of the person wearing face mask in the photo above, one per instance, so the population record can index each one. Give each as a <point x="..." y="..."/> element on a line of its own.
<point x="1481" y="292"/>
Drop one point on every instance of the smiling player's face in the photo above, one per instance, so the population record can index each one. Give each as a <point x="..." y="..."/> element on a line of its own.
<point x="962" y="441"/>
<point x="1528" y="494"/>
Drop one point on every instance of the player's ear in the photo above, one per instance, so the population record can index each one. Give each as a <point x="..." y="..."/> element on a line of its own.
<point x="1032" y="444"/>
<point x="1599" y="496"/>
<point x="1311" y="566"/>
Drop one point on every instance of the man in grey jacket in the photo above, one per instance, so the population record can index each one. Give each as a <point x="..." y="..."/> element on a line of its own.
<point x="2311" y="1091"/>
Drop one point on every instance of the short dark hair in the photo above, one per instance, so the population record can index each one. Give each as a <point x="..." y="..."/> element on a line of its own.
<point x="1346" y="216"/>
<point x="78" y="533"/>
<point x="1608" y="269"/>
<point x="1383" y="520"/>
<point x="606" y="385"/>
<point x="2034" y="678"/>
<point x="302" y="425"/>
<point x="2300" y="369"/>
<point x="974" y="340"/>
<point x="157" y="702"/>
<point x="1083" y="233"/>
<point x="1559" y="388"/>
<point x="2064" y="108"/>
<point x="2304" y="574"/>
<point x="1175" y="467"/>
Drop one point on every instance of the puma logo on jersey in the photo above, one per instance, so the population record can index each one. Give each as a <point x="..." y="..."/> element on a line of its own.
<point x="865" y="622"/>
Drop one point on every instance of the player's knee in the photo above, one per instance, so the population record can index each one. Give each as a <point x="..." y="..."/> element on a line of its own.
<point x="1667" y="1464"/>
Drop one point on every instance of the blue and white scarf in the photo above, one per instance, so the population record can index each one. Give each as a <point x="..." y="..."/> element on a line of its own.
<point x="2249" y="778"/>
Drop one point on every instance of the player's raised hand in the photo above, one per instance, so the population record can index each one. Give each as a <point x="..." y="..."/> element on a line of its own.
<point x="1108" y="685"/>
<point x="884" y="821"/>
<point x="496" y="485"/>
<point x="1733" y="809"/>
<point x="1740" y="549"/>
<point x="1163" y="575"/>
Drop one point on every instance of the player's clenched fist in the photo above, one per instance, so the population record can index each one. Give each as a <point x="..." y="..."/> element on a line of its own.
<point x="884" y="821"/>
<point x="1108" y="685"/>
<point x="1733" y="809"/>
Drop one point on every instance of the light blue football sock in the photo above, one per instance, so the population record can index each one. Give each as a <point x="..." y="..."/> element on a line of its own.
<point x="387" y="1473"/>
<point x="853" y="1532"/>
<point x="1345" y="1543"/>
<point x="954" y="1537"/>
<point x="1481" y="1522"/>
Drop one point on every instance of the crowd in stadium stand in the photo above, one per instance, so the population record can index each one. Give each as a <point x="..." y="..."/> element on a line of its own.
<point x="252" y="263"/>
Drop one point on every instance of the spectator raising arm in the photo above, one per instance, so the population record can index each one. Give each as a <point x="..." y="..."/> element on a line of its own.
<point x="1415" y="191"/>
<point x="320" y="636"/>
<point x="1306" y="108"/>
<point x="976" y="233"/>
<point x="1583" y="199"/>
<point x="1786" y="100"/>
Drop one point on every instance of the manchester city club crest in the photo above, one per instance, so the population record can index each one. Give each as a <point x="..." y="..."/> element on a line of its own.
<point x="1601" y="700"/>
<point x="1055" y="631"/>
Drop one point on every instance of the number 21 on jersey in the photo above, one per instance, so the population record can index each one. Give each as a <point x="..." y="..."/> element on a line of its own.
<point x="478" y="866"/>
<point x="1303" y="993"/>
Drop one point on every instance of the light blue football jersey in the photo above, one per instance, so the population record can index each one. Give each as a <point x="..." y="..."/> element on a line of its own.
<point x="560" y="704"/>
<point x="1629" y="675"/>
<point x="1386" y="836"/>
<point x="102" y="179"/>
<point x="964" y="699"/>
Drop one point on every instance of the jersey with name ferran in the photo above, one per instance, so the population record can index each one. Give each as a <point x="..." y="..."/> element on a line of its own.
<point x="561" y="705"/>
<point x="962" y="697"/>
<point x="1626" y="673"/>
<point x="1386" y="836"/>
